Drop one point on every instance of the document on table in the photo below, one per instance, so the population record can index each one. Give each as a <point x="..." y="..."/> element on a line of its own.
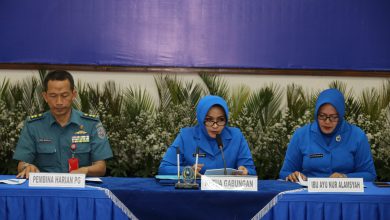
<point x="301" y="181"/>
<point x="13" y="181"/>
<point x="167" y="177"/>
<point x="229" y="171"/>
<point x="93" y="179"/>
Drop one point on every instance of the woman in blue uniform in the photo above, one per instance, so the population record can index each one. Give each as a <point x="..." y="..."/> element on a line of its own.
<point x="330" y="146"/>
<point x="212" y="114"/>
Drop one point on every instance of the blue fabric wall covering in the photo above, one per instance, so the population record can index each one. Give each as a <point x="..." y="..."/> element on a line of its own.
<point x="288" y="34"/>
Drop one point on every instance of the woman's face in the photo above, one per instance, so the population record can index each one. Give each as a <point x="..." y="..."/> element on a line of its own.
<point x="327" y="118"/>
<point x="215" y="121"/>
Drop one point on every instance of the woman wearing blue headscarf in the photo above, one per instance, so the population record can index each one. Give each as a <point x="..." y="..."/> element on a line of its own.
<point x="330" y="146"/>
<point x="212" y="114"/>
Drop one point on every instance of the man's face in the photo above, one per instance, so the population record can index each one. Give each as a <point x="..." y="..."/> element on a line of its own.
<point x="59" y="96"/>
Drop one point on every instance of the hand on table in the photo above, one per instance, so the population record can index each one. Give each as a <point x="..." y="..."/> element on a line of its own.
<point x="82" y="170"/>
<point x="338" y="175"/>
<point x="293" y="177"/>
<point x="244" y="171"/>
<point x="25" y="173"/>
<point x="200" y="166"/>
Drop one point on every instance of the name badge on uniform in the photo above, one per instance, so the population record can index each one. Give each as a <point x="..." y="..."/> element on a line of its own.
<point x="44" y="140"/>
<point x="200" y="154"/>
<point x="316" y="155"/>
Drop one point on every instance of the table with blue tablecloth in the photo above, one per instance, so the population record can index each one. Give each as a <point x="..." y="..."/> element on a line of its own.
<point x="372" y="204"/>
<point x="142" y="198"/>
<point x="146" y="198"/>
<point x="24" y="202"/>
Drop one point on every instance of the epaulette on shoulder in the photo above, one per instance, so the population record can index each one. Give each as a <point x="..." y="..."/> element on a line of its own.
<point x="90" y="116"/>
<point x="36" y="117"/>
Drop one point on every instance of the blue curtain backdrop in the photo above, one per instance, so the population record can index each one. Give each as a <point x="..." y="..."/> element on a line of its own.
<point x="288" y="34"/>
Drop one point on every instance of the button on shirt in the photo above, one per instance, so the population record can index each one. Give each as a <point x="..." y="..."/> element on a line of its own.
<point x="47" y="145"/>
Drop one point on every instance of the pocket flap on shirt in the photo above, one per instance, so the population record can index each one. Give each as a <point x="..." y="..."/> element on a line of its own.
<point x="83" y="148"/>
<point x="45" y="148"/>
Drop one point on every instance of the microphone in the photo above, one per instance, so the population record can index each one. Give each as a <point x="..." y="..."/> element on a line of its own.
<point x="178" y="163"/>
<point x="220" y="145"/>
<point x="186" y="184"/>
<point x="196" y="162"/>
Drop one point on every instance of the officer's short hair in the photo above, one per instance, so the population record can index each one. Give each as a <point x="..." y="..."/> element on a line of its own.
<point x="59" y="75"/>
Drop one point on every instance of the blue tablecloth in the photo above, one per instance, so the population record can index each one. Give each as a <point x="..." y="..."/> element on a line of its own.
<point x="23" y="202"/>
<point x="147" y="199"/>
<point x="374" y="203"/>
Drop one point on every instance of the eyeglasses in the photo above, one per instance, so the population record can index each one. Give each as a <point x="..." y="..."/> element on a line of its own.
<point x="211" y="123"/>
<point x="332" y="118"/>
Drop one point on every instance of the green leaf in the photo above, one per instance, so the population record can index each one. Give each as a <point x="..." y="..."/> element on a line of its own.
<point x="264" y="104"/>
<point x="238" y="99"/>
<point x="136" y="101"/>
<point x="215" y="84"/>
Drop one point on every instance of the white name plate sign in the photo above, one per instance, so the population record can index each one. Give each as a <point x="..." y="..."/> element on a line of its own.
<point x="56" y="180"/>
<point x="220" y="182"/>
<point x="335" y="185"/>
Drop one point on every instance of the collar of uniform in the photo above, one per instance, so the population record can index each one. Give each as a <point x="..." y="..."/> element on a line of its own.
<point x="51" y="118"/>
<point x="226" y="134"/>
<point x="74" y="118"/>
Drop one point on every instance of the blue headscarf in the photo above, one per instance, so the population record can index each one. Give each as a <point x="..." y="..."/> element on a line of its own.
<point x="204" y="106"/>
<point x="336" y="99"/>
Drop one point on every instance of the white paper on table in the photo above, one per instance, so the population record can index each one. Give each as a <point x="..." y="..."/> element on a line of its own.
<point x="301" y="181"/>
<point x="13" y="181"/>
<point x="93" y="179"/>
<point x="221" y="171"/>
